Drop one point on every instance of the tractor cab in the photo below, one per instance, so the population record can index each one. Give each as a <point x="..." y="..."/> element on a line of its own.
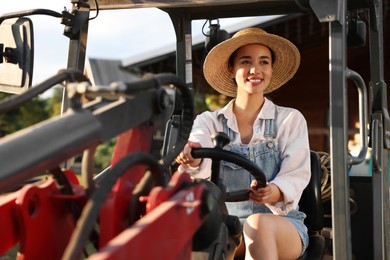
<point x="140" y="207"/>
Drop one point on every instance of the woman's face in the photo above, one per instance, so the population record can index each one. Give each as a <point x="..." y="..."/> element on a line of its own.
<point x="252" y="68"/>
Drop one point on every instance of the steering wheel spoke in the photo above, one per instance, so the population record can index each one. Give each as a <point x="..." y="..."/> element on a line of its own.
<point x="218" y="154"/>
<point x="237" y="195"/>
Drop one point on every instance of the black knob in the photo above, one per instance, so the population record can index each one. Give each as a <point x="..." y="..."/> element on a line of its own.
<point x="220" y="139"/>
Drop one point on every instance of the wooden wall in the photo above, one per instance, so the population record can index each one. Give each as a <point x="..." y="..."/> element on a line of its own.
<point x="308" y="91"/>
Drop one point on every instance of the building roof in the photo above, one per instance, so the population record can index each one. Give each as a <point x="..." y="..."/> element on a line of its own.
<point x="106" y="71"/>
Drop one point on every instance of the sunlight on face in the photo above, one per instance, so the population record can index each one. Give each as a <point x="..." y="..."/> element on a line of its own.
<point x="252" y="68"/>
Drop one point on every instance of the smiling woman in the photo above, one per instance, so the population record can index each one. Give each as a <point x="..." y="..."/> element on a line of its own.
<point x="246" y="67"/>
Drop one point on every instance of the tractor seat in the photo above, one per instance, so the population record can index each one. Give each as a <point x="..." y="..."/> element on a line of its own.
<point x="311" y="205"/>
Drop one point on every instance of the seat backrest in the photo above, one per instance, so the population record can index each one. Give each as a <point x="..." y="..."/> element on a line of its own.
<point x="311" y="201"/>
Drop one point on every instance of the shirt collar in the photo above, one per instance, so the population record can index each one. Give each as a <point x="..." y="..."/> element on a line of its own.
<point x="266" y="112"/>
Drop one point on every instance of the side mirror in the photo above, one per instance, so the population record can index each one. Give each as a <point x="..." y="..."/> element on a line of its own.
<point x="16" y="55"/>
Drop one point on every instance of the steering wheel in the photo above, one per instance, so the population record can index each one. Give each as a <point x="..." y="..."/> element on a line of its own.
<point x="217" y="154"/>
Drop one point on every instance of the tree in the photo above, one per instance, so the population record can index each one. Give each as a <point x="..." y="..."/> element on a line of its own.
<point x="27" y="114"/>
<point x="54" y="103"/>
<point x="104" y="153"/>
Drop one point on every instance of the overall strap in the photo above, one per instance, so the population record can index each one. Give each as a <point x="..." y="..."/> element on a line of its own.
<point x="226" y="129"/>
<point x="270" y="128"/>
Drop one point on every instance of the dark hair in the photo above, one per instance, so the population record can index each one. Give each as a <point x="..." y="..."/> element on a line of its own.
<point x="234" y="54"/>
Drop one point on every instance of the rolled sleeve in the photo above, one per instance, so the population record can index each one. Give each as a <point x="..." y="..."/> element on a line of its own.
<point x="203" y="128"/>
<point x="294" y="174"/>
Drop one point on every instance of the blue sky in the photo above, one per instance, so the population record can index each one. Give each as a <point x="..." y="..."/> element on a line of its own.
<point x="114" y="34"/>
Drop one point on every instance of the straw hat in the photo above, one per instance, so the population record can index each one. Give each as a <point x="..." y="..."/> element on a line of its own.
<point x="285" y="64"/>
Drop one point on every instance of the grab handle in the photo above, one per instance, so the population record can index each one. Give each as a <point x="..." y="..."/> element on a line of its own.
<point x="363" y="116"/>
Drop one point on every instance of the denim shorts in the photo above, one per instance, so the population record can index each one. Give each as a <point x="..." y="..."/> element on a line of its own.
<point x="302" y="230"/>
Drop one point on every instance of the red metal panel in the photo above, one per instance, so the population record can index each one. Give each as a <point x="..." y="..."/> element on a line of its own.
<point x="166" y="231"/>
<point x="8" y="225"/>
<point x="114" y="213"/>
<point x="39" y="218"/>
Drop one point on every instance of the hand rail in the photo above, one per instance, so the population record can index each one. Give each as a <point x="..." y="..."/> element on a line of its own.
<point x="363" y="116"/>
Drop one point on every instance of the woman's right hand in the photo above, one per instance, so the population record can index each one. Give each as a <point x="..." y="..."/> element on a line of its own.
<point x="185" y="156"/>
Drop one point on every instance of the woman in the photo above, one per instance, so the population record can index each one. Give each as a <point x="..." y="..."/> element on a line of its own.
<point x="249" y="65"/>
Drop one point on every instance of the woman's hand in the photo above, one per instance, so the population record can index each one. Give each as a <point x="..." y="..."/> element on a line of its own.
<point x="185" y="156"/>
<point x="270" y="193"/>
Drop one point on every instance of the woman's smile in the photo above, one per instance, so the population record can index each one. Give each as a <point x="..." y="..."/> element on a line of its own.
<point x="255" y="80"/>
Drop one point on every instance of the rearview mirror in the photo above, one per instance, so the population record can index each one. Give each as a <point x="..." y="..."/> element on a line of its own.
<point x="16" y="55"/>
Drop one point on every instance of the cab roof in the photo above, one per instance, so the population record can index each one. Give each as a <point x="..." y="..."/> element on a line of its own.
<point x="211" y="9"/>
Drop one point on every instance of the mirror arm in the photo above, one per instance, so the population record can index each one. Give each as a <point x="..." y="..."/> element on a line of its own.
<point x="30" y="12"/>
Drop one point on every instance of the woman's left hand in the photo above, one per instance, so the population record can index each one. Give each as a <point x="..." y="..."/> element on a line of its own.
<point x="267" y="194"/>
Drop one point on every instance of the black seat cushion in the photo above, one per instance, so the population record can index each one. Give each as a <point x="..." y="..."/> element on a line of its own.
<point x="311" y="201"/>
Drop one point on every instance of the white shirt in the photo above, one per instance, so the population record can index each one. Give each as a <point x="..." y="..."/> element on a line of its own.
<point x="291" y="141"/>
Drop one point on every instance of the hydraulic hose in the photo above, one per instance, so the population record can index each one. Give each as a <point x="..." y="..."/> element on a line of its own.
<point x="92" y="208"/>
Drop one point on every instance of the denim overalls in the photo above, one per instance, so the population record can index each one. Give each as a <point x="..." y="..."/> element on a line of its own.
<point x="266" y="156"/>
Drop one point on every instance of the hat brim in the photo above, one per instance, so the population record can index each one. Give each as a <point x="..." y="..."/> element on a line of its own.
<point x="285" y="64"/>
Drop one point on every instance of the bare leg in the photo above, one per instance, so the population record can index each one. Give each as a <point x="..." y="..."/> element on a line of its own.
<point x="269" y="236"/>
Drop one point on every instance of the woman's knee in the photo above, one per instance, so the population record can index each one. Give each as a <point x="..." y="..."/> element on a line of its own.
<point x="259" y="220"/>
<point x="258" y="225"/>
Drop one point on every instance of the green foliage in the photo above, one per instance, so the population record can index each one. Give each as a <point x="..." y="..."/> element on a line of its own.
<point x="215" y="102"/>
<point x="54" y="103"/>
<point x="104" y="153"/>
<point x="26" y="115"/>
